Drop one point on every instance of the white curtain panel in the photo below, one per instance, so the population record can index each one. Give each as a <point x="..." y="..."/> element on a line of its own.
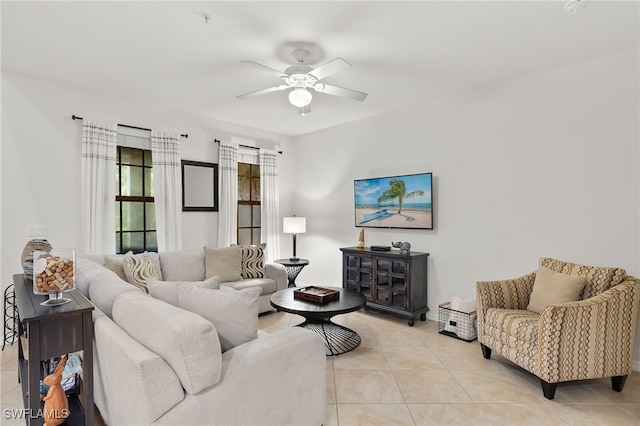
<point x="99" y="141"/>
<point x="270" y="203"/>
<point x="228" y="193"/>
<point x="167" y="188"/>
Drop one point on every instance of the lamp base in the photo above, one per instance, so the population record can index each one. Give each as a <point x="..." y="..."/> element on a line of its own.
<point x="294" y="259"/>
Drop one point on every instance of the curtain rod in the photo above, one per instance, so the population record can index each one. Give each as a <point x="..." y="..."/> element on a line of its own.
<point x="245" y="146"/>
<point x="75" y="117"/>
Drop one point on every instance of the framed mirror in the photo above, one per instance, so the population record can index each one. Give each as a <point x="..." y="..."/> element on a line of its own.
<point x="199" y="186"/>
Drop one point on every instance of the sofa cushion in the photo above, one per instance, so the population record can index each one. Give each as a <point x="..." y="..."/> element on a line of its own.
<point x="127" y="377"/>
<point x="224" y="262"/>
<point x="167" y="291"/>
<point x="267" y="285"/>
<point x="85" y="270"/>
<point x="252" y="264"/>
<point x="114" y="263"/>
<point x="103" y="292"/>
<point x="98" y="258"/>
<point x="551" y="288"/>
<point x="100" y="285"/>
<point x="186" y="341"/>
<point x="140" y="267"/>
<point x="233" y="313"/>
<point x="183" y="265"/>
<point x="514" y="331"/>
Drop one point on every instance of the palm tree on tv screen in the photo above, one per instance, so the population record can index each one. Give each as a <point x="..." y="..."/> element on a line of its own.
<point x="398" y="190"/>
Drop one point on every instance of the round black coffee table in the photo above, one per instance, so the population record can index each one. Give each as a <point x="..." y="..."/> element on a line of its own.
<point x="338" y="339"/>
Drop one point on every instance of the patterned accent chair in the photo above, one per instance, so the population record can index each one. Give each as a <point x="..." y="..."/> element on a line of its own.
<point x="586" y="339"/>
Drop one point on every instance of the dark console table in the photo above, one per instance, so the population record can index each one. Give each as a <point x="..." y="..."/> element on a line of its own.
<point x="52" y="331"/>
<point x="390" y="281"/>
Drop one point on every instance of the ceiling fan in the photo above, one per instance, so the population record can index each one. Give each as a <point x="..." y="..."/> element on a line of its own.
<point x="302" y="77"/>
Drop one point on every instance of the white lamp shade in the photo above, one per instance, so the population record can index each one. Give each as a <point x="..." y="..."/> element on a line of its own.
<point x="294" y="225"/>
<point x="300" y="97"/>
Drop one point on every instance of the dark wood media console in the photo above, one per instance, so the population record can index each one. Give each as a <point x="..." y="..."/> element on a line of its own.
<point x="389" y="281"/>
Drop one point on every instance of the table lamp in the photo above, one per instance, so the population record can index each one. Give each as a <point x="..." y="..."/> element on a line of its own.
<point x="294" y="225"/>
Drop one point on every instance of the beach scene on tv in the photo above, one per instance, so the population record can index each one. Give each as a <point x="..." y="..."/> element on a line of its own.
<point x="394" y="202"/>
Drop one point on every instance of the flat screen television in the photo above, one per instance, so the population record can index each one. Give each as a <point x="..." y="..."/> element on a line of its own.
<point x="402" y="201"/>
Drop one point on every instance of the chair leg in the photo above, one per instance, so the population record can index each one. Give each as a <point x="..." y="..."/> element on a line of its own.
<point x="548" y="389"/>
<point x="486" y="351"/>
<point x="617" y="382"/>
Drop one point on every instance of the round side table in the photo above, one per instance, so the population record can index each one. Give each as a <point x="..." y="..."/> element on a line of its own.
<point x="293" y="268"/>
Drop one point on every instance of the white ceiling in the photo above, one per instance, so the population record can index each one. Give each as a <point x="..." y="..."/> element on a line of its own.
<point x="166" y="54"/>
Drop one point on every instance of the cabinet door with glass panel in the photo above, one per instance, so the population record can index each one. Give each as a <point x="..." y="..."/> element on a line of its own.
<point x="391" y="276"/>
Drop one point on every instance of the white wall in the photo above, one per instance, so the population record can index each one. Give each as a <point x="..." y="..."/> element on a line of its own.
<point x="40" y="163"/>
<point x="542" y="165"/>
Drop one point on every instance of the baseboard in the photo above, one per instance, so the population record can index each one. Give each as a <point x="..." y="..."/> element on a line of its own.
<point x="636" y="365"/>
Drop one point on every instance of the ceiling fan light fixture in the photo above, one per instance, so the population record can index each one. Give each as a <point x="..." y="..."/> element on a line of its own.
<point x="304" y="110"/>
<point x="300" y="97"/>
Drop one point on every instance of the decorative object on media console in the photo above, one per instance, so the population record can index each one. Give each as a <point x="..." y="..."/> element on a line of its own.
<point x="294" y="225"/>
<point x="27" y="254"/>
<point x="54" y="273"/>
<point x="405" y="247"/>
<point x="56" y="405"/>
<point x="402" y="201"/>
<point x="361" y="239"/>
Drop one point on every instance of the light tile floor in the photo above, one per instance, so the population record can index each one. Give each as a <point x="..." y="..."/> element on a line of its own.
<point x="403" y="375"/>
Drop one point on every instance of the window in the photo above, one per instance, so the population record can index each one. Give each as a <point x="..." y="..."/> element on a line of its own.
<point x="135" y="208"/>
<point x="248" y="203"/>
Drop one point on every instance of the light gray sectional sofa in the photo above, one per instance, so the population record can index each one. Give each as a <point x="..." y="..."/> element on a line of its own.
<point x="158" y="364"/>
<point x="189" y="265"/>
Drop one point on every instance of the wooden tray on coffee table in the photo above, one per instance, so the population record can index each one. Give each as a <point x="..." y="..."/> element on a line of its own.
<point x="316" y="294"/>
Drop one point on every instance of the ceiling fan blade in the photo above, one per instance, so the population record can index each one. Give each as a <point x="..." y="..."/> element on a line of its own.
<point x="270" y="70"/>
<point x="329" y="68"/>
<point x="263" y="91"/>
<point x="340" y="91"/>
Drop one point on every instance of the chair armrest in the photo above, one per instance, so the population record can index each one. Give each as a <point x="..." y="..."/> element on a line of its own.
<point x="505" y="294"/>
<point x="278" y="273"/>
<point x="590" y="338"/>
<point x="502" y="294"/>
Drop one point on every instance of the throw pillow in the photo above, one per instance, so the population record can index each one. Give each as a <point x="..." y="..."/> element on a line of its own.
<point x="234" y="314"/>
<point x="138" y="268"/>
<point x="252" y="265"/>
<point x="182" y="265"/>
<point x="168" y="290"/>
<point x="114" y="263"/>
<point x="224" y="262"/>
<point x="551" y="288"/>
